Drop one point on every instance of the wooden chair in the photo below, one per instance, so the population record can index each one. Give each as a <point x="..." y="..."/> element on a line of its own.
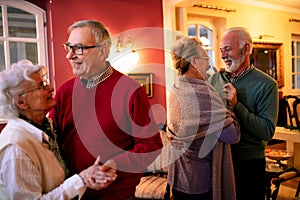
<point x="294" y="116"/>
<point x="283" y="178"/>
<point x="154" y="185"/>
<point x="293" y="110"/>
<point x="292" y="104"/>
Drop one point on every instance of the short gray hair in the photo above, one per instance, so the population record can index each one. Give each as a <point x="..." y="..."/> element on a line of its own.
<point x="10" y="80"/>
<point x="243" y="36"/>
<point x="99" y="31"/>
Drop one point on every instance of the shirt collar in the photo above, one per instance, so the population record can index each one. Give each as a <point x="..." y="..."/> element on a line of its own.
<point x="34" y="131"/>
<point x="239" y="75"/>
<point x="98" y="78"/>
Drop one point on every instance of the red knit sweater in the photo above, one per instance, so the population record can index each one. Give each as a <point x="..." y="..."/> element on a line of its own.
<point x="111" y="120"/>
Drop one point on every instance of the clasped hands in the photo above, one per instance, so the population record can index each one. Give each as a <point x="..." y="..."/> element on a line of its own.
<point x="99" y="176"/>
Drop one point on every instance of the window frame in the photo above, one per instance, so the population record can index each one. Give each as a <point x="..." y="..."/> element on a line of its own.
<point x="210" y="48"/>
<point x="296" y="73"/>
<point x="40" y="40"/>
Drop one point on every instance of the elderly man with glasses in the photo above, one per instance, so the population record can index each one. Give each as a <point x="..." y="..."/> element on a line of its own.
<point x="103" y="112"/>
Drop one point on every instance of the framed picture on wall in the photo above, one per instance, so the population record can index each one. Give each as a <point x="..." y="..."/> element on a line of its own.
<point x="145" y="80"/>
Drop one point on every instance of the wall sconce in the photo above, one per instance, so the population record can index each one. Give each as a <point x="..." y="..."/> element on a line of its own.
<point x="294" y="20"/>
<point x="124" y="45"/>
<point x="265" y="36"/>
<point x="125" y="56"/>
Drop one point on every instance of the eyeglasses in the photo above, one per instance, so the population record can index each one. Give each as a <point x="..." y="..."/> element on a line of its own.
<point x="78" y="49"/>
<point x="44" y="85"/>
<point x="205" y="58"/>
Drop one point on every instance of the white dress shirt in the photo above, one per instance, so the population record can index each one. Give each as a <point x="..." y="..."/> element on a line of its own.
<point x="22" y="178"/>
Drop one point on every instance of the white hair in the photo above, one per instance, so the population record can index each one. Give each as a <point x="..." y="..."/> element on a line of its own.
<point x="10" y="81"/>
<point x="243" y="36"/>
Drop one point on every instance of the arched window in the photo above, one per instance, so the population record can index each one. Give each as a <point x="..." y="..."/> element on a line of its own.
<point x="22" y="33"/>
<point x="295" y="62"/>
<point x="206" y="36"/>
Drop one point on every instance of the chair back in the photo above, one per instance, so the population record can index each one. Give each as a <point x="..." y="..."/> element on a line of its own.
<point x="296" y="107"/>
<point x="293" y="110"/>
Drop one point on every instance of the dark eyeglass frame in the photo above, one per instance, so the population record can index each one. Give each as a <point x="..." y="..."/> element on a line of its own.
<point x="44" y="85"/>
<point x="78" y="49"/>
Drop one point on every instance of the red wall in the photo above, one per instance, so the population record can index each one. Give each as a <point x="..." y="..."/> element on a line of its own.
<point x="118" y="16"/>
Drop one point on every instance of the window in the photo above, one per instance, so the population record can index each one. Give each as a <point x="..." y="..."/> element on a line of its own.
<point x="22" y="33"/>
<point x="206" y="36"/>
<point x="296" y="62"/>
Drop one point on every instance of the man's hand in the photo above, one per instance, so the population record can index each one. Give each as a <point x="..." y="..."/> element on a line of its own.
<point x="230" y="95"/>
<point x="98" y="177"/>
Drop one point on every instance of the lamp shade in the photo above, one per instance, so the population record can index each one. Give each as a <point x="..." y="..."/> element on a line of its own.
<point x="125" y="61"/>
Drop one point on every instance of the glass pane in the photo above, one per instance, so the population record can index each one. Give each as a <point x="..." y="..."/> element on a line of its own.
<point x="2" y="60"/>
<point x="212" y="69"/>
<point x="298" y="64"/>
<point x="21" y="23"/>
<point x="212" y="57"/>
<point x="1" y="22"/>
<point x="192" y="30"/>
<point x="293" y="49"/>
<point x="298" y="49"/>
<point x="206" y="35"/>
<point x="293" y="65"/>
<point x="23" y="50"/>
<point x="298" y="81"/>
<point x="293" y="81"/>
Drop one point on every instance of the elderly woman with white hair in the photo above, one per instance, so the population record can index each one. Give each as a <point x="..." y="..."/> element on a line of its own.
<point x="30" y="163"/>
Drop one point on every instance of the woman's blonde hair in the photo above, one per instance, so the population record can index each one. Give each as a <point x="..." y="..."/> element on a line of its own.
<point x="182" y="51"/>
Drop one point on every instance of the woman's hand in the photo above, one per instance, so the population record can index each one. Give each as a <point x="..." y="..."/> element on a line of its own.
<point x="98" y="177"/>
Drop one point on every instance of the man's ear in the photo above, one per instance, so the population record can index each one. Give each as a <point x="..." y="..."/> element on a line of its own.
<point x="247" y="49"/>
<point x="104" y="52"/>
<point x="20" y="103"/>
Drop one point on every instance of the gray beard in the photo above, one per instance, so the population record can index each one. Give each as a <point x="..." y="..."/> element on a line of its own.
<point x="235" y="64"/>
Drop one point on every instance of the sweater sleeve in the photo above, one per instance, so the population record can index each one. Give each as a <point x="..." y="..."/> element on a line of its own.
<point x="147" y="143"/>
<point x="230" y="134"/>
<point x="263" y="116"/>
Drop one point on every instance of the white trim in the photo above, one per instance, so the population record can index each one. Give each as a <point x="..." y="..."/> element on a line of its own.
<point x="296" y="73"/>
<point x="41" y="39"/>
